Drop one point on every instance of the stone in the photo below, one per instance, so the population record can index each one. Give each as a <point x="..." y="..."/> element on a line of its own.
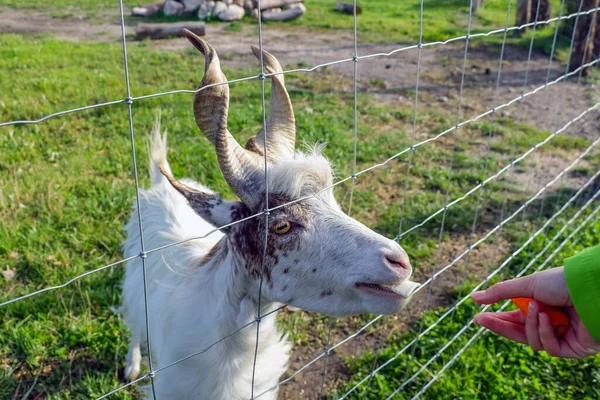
<point x="270" y="4"/>
<point x="173" y="8"/>
<point x="205" y="9"/>
<point x="147" y="10"/>
<point x="249" y="6"/>
<point x="139" y="11"/>
<point x="254" y="13"/>
<point x="8" y="274"/>
<point x="228" y="2"/>
<point x="218" y="8"/>
<point x="347" y="8"/>
<point x="239" y="3"/>
<point x="191" y="6"/>
<point x="232" y="13"/>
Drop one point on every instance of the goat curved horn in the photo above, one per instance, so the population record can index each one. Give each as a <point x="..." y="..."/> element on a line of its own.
<point x="280" y="131"/>
<point x="242" y="169"/>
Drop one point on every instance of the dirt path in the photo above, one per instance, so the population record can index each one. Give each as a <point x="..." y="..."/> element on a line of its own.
<point x="394" y="76"/>
<point x="391" y="80"/>
<point x="104" y="27"/>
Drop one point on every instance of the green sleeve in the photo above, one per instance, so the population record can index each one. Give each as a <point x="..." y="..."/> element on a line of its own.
<point x="583" y="280"/>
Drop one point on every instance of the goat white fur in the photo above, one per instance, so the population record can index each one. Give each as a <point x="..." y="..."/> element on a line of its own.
<point x="192" y="307"/>
<point x="198" y="292"/>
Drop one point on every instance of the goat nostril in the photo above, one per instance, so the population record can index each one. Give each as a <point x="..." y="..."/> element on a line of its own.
<point x="398" y="262"/>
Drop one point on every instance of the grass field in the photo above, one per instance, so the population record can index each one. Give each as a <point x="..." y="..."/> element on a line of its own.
<point x="491" y="368"/>
<point x="381" y="21"/>
<point x="66" y="190"/>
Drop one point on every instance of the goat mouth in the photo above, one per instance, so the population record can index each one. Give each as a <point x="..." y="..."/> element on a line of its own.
<point x="399" y="291"/>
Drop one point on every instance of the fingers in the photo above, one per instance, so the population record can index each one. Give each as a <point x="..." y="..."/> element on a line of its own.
<point x="521" y="287"/>
<point x="506" y="324"/>
<point x="532" y="327"/>
<point x="516" y="317"/>
<point x="549" y="341"/>
<point x="549" y="287"/>
<point x="535" y="329"/>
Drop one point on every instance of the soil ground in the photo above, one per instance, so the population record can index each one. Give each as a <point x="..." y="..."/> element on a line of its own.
<point x="392" y="80"/>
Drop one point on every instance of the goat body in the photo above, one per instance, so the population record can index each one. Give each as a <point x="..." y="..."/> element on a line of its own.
<point x="194" y="300"/>
<point x="307" y="251"/>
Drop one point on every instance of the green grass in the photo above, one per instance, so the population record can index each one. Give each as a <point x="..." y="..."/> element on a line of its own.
<point x="392" y="21"/>
<point x="66" y="189"/>
<point x="492" y="367"/>
<point x="381" y="20"/>
<point x="83" y="5"/>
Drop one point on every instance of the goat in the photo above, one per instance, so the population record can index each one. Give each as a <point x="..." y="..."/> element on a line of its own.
<point x="316" y="258"/>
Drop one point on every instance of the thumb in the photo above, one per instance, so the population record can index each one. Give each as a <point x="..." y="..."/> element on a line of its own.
<point x="521" y="287"/>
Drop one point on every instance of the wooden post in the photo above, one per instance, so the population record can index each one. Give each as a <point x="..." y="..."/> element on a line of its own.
<point x="527" y="11"/>
<point x="163" y="31"/>
<point x="585" y="33"/>
<point x="523" y="13"/>
<point x="284" y="15"/>
<point x="475" y="4"/>
<point x="596" y="52"/>
<point x="545" y="12"/>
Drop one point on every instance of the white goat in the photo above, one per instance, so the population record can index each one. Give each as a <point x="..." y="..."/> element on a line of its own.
<point x="317" y="258"/>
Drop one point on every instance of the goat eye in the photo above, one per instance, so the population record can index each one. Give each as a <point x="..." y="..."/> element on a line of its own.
<point x="282" y="227"/>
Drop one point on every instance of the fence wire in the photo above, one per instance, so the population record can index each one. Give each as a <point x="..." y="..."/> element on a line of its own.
<point x="492" y="112"/>
<point x="266" y="213"/>
<point x="301" y="70"/>
<point x="485" y="308"/>
<point x="348" y="178"/>
<point x="504" y="264"/>
<point x="138" y="208"/>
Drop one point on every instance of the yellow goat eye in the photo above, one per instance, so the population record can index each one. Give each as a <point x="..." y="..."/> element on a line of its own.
<point x="282" y="227"/>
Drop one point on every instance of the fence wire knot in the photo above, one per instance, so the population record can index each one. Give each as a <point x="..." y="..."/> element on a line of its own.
<point x="129" y="100"/>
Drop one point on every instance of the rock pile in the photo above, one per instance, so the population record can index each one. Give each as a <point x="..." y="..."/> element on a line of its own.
<point x="226" y="10"/>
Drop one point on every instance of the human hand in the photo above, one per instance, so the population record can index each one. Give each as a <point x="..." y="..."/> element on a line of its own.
<point x="549" y="287"/>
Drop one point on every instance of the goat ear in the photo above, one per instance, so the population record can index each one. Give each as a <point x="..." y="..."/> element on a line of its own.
<point x="210" y="206"/>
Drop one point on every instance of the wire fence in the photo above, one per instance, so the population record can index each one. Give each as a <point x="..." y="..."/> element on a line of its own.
<point x="439" y="269"/>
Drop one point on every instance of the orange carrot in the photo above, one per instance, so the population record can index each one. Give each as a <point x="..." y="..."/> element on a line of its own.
<point x="560" y="320"/>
